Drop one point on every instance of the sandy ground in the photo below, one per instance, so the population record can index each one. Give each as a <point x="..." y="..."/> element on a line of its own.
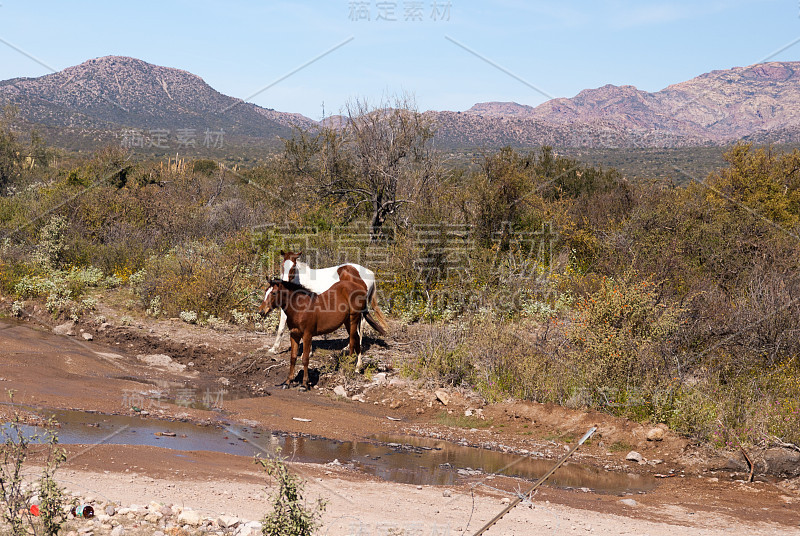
<point x="53" y="371"/>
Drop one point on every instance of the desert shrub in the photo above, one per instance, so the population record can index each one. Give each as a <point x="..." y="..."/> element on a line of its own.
<point x="441" y="356"/>
<point x="201" y="277"/>
<point x="620" y="332"/>
<point x="290" y="515"/>
<point x="15" y="495"/>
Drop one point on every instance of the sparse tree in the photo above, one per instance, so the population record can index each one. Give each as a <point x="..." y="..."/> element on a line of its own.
<point x="372" y="158"/>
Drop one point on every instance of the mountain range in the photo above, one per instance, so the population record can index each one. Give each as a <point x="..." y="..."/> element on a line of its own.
<point x="104" y="97"/>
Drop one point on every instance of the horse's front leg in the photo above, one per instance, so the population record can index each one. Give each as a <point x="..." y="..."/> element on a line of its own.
<point x="293" y="358"/>
<point x="281" y="327"/>
<point x="306" y="355"/>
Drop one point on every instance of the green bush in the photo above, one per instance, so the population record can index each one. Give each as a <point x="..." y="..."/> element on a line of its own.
<point x="197" y="277"/>
<point x="290" y="515"/>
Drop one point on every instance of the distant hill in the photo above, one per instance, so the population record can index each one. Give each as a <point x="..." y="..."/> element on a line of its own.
<point x="97" y="101"/>
<point x="115" y="93"/>
<point x="759" y="103"/>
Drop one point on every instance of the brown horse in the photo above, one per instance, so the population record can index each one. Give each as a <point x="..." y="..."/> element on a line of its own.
<point x="309" y="314"/>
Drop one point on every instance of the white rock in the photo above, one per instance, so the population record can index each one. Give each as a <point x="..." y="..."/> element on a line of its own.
<point x="161" y="361"/>
<point x="153" y="517"/>
<point x="443" y="397"/>
<point x="628" y="502"/>
<point x="339" y="390"/>
<point x="227" y="521"/>
<point x="190" y="517"/>
<point x="251" y="528"/>
<point x="634" y="456"/>
<point x="65" y="329"/>
<point x="655" y="434"/>
<point x="119" y="530"/>
<point x="87" y="336"/>
<point x="359" y="398"/>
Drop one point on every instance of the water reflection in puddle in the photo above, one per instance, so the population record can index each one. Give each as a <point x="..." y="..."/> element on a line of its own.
<point x="402" y="459"/>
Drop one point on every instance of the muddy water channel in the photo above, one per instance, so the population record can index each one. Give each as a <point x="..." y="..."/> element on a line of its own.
<point x="402" y="459"/>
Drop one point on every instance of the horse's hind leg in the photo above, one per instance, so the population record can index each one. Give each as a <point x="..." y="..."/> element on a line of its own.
<point x="281" y="327"/>
<point x="306" y="355"/>
<point x="356" y="330"/>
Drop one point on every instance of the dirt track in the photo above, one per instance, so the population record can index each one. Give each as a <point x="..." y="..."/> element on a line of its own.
<point x="66" y="372"/>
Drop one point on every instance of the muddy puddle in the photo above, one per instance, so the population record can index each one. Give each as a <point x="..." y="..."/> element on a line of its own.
<point x="401" y="459"/>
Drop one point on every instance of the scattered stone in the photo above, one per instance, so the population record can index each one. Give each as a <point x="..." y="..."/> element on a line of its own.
<point x="227" y="521"/>
<point x="162" y="361"/>
<point x="166" y="511"/>
<point x="87" y="336"/>
<point x="339" y="390"/>
<point x="65" y="329"/>
<point x="629" y="502"/>
<point x="420" y="411"/>
<point x="655" y="434"/>
<point x="190" y="517"/>
<point x="634" y="456"/>
<point x="442" y="397"/>
<point x="252" y="528"/>
<point x="395" y="404"/>
<point x="359" y="398"/>
<point x="301" y="419"/>
<point x="110" y="510"/>
<point x="505" y="500"/>
<point x="467" y="413"/>
<point x="153" y="517"/>
<point x="447" y="493"/>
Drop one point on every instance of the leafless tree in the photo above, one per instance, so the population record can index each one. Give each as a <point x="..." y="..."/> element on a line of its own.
<point x="373" y="158"/>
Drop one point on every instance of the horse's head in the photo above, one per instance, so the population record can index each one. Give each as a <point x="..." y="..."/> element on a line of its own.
<point x="289" y="265"/>
<point x="270" y="301"/>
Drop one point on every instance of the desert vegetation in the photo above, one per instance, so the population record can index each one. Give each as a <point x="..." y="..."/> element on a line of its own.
<point x="535" y="276"/>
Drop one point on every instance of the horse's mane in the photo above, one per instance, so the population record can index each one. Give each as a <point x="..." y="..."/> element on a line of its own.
<point x="291" y="286"/>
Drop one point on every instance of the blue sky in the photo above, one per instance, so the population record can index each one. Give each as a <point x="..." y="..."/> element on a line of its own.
<point x="555" y="48"/>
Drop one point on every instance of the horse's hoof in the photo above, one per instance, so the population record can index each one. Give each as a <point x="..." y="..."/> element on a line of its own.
<point x="302" y="388"/>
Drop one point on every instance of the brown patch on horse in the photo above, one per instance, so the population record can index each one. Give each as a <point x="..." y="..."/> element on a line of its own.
<point x="378" y="321"/>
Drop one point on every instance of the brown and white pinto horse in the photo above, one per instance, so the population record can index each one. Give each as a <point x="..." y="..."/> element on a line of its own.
<point x="319" y="280"/>
<point x="309" y="314"/>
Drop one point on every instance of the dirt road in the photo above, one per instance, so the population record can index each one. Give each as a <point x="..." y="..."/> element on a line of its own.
<point x="53" y="371"/>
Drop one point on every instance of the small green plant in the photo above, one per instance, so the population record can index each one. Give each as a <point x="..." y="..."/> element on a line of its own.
<point x="290" y="515"/>
<point x="620" y="446"/>
<point x="15" y="496"/>
<point x="462" y="421"/>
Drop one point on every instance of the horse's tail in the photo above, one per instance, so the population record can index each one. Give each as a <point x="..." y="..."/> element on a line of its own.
<point x="379" y="318"/>
<point x="377" y="327"/>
